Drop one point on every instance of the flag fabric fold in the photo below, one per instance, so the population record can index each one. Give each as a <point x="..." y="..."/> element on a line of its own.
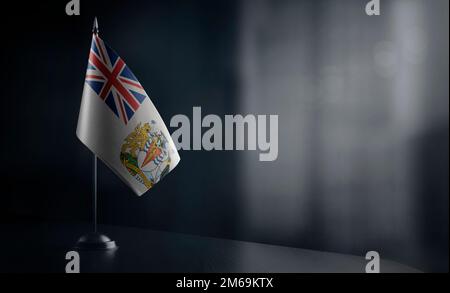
<point x="119" y="123"/>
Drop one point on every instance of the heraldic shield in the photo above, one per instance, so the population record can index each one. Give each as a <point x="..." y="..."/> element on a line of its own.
<point x="146" y="154"/>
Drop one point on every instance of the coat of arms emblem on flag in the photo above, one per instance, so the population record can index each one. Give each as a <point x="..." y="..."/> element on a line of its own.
<point x="119" y="123"/>
<point x="145" y="155"/>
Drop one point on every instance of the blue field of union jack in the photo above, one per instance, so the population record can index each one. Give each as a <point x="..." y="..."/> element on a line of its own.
<point x="112" y="80"/>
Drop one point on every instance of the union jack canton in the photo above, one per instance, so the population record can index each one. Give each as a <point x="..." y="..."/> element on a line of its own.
<point x="112" y="80"/>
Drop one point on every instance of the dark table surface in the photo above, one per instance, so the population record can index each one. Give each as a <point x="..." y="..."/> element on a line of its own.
<point x="42" y="248"/>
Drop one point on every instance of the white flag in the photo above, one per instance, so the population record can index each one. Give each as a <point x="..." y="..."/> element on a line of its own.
<point x="119" y="123"/>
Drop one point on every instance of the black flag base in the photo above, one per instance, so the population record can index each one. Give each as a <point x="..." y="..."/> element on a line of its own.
<point x="95" y="241"/>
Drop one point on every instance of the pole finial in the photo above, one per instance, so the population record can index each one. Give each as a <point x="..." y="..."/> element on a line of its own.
<point x="95" y="28"/>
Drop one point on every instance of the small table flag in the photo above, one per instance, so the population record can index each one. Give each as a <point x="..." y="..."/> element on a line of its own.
<point x="119" y="123"/>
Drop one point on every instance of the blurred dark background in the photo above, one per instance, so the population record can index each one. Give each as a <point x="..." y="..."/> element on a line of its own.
<point x="363" y="120"/>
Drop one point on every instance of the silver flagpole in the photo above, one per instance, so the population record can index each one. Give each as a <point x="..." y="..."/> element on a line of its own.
<point x="95" y="193"/>
<point x="95" y="31"/>
<point x="95" y="240"/>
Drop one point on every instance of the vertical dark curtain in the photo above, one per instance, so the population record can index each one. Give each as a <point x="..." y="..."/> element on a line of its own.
<point x="363" y="105"/>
